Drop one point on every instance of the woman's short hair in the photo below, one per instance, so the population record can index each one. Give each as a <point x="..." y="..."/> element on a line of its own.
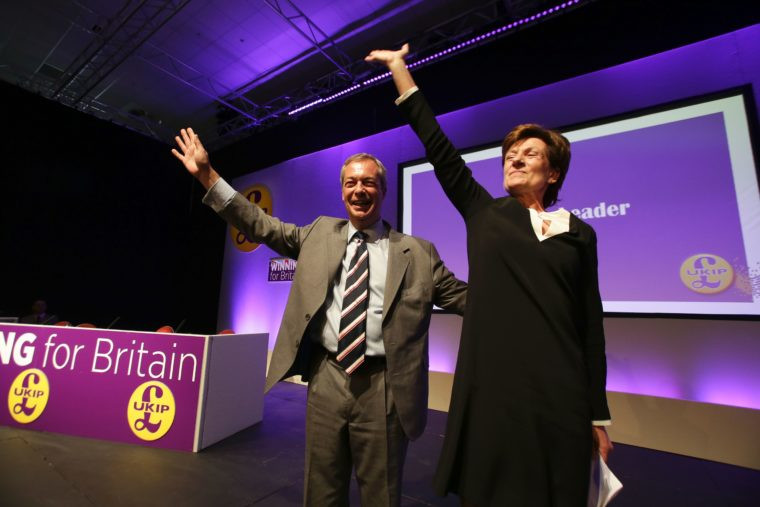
<point x="557" y="151"/>
<point x="366" y="156"/>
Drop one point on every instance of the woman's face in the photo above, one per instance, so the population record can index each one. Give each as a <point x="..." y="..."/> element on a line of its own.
<point x="527" y="170"/>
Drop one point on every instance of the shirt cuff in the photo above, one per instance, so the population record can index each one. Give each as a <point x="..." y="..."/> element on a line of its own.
<point x="406" y="95"/>
<point x="607" y="422"/>
<point x="219" y="195"/>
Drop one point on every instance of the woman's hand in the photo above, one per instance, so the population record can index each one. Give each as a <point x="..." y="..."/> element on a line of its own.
<point x="601" y="442"/>
<point x="394" y="60"/>
<point x="388" y="57"/>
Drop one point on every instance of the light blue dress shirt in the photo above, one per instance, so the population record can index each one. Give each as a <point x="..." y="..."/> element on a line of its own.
<point x="377" y="248"/>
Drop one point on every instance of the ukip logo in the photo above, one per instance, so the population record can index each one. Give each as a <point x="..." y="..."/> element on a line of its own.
<point x="28" y="395"/>
<point x="151" y="410"/>
<point x="706" y="273"/>
<point x="260" y="196"/>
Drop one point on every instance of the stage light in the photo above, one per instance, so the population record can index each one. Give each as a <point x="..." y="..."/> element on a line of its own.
<point x="439" y="54"/>
<point x="306" y="106"/>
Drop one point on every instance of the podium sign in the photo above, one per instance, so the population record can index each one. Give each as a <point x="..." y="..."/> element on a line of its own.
<point x="125" y="386"/>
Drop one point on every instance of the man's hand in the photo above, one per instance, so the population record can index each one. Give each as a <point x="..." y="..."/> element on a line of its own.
<point x="601" y="442"/>
<point x="195" y="157"/>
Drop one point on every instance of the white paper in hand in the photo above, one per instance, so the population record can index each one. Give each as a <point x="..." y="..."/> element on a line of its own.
<point x="603" y="485"/>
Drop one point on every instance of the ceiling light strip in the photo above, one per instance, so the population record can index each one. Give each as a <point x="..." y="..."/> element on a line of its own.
<point x="446" y="52"/>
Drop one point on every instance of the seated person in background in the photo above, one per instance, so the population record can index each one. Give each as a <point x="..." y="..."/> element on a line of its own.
<point x="39" y="314"/>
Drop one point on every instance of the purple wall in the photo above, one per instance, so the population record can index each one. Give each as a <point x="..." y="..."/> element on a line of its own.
<point x="308" y="186"/>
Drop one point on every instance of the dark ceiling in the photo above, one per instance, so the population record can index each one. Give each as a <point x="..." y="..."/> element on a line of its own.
<point x="226" y="66"/>
<point x="233" y="68"/>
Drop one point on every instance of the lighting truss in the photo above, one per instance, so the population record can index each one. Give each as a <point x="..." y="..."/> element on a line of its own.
<point x="128" y="33"/>
<point x="206" y="85"/>
<point x="132" y="26"/>
<point x="437" y="43"/>
<point x="319" y="40"/>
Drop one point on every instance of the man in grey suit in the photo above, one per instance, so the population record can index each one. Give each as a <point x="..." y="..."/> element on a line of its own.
<point x="361" y="414"/>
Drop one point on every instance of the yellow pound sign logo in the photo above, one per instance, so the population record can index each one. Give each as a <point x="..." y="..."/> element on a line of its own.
<point x="261" y="197"/>
<point x="28" y="395"/>
<point x="707" y="273"/>
<point x="151" y="410"/>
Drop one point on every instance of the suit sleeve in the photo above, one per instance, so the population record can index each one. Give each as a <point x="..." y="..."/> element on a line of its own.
<point x="593" y="333"/>
<point x="449" y="293"/>
<point x="466" y="194"/>
<point x="236" y="210"/>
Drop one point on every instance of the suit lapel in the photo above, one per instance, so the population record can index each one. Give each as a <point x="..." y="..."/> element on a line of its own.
<point x="336" y="250"/>
<point x="398" y="261"/>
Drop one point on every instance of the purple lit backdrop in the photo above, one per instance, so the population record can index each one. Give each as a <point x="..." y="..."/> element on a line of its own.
<point x="675" y="213"/>
<point x="720" y="367"/>
<point x="677" y="179"/>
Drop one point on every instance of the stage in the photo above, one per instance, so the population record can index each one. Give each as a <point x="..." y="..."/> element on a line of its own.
<point x="263" y="466"/>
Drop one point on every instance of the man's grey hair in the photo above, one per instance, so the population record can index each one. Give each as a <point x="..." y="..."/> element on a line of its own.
<point x="366" y="156"/>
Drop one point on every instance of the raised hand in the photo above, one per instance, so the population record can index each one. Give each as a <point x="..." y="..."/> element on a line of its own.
<point x="194" y="157"/>
<point x="388" y="57"/>
<point x="394" y="60"/>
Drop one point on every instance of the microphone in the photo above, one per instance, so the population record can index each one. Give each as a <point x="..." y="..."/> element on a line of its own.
<point x="179" y="326"/>
<point x="48" y="320"/>
<point x="114" y="321"/>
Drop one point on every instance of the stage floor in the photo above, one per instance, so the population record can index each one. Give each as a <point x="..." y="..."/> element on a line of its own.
<point x="263" y="466"/>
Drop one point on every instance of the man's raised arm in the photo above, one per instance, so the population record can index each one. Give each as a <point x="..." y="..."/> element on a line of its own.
<point x="195" y="158"/>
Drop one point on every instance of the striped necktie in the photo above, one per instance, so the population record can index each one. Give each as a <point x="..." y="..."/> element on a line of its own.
<point x="353" y="318"/>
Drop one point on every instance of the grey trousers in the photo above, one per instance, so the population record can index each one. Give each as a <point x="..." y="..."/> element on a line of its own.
<point x="351" y="422"/>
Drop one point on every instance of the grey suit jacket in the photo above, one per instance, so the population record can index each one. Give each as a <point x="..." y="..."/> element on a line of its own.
<point x="416" y="279"/>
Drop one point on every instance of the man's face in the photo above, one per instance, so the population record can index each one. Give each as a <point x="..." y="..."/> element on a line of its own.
<point x="362" y="193"/>
<point x="527" y="169"/>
